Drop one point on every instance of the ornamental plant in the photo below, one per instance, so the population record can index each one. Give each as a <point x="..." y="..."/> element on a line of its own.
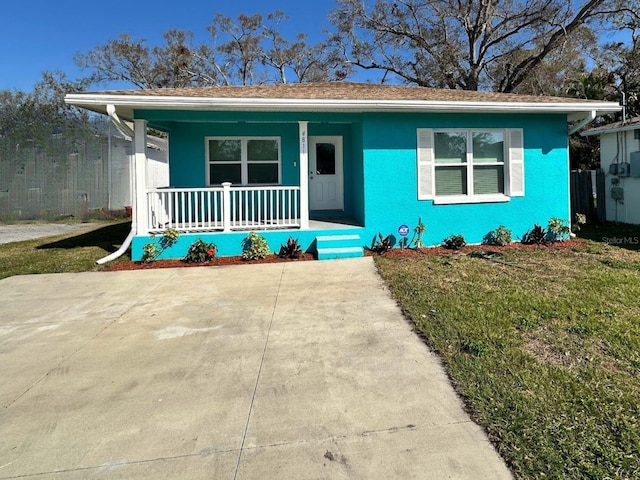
<point x="557" y="229"/>
<point x="454" y="242"/>
<point x="151" y="251"/>
<point x="417" y="234"/>
<point x="254" y="247"/>
<point x="501" y="236"/>
<point x="381" y="245"/>
<point x="200" y="252"/>
<point x="536" y="236"/>
<point x="291" y="249"/>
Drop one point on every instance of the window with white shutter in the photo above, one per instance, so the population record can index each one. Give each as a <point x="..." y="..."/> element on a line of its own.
<point x="469" y="165"/>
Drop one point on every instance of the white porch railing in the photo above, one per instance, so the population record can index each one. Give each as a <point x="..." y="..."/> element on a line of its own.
<point x="223" y="208"/>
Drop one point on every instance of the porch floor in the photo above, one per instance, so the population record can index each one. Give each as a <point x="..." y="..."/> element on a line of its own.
<point x="333" y="223"/>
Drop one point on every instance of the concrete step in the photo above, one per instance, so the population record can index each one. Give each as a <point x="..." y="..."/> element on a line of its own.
<point x="339" y="246"/>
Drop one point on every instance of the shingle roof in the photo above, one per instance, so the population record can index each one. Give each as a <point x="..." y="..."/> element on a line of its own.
<point x="341" y="91"/>
<point x="630" y="124"/>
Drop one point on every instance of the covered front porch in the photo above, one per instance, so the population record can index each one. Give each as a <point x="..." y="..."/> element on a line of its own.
<point x="224" y="213"/>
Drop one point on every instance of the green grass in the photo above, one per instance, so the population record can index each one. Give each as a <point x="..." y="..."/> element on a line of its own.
<point x="544" y="348"/>
<point x="73" y="252"/>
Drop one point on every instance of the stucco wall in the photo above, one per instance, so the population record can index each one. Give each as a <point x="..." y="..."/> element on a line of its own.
<point x="391" y="177"/>
<point x="380" y="167"/>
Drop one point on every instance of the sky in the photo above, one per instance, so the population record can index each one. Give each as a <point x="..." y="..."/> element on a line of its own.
<point x="39" y="35"/>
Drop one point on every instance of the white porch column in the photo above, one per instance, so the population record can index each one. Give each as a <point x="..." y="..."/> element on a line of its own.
<point x="140" y="220"/>
<point x="304" y="175"/>
<point x="226" y="206"/>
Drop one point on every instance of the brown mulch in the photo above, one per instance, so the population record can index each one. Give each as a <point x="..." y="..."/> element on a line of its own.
<point x="216" y="262"/>
<point x="409" y="252"/>
<point x="395" y="252"/>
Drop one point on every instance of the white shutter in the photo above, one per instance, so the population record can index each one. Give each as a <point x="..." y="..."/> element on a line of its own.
<point x="516" y="162"/>
<point x="425" y="164"/>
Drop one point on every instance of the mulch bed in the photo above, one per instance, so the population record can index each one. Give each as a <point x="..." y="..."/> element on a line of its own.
<point x="395" y="252"/>
<point x="216" y="262"/>
<point x="410" y="252"/>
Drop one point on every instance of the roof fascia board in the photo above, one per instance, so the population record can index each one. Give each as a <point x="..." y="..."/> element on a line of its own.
<point x="622" y="128"/>
<point x="197" y="103"/>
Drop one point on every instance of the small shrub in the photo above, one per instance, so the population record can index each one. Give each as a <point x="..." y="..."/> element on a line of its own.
<point x="254" y="247"/>
<point x="454" y="242"/>
<point x="291" y="249"/>
<point x="151" y="251"/>
<point x="200" y="252"/>
<point x="579" y="220"/>
<point x="536" y="236"/>
<point x="501" y="236"/>
<point x="381" y="245"/>
<point x="417" y="234"/>
<point x="557" y="229"/>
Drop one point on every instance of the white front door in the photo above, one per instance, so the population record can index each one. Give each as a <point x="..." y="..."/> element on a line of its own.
<point x="325" y="173"/>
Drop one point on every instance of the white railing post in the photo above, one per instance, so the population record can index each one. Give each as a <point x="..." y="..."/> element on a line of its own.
<point x="226" y="206"/>
<point x="304" y="175"/>
<point x="140" y="212"/>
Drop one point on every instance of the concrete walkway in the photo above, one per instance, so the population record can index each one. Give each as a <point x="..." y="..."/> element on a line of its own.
<point x="277" y="371"/>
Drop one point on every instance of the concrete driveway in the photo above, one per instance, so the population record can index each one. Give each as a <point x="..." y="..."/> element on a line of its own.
<point x="283" y="371"/>
<point x="31" y="231"/>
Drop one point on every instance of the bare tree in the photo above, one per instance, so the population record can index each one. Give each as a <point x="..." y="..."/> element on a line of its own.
<point x="470" y="45"/>
<point x="176" y="63"/>
<point x="123" y="60"/>
<point x="242" y="53"/>
<point x="245" y="50"/>
<point x="309" y="63"/>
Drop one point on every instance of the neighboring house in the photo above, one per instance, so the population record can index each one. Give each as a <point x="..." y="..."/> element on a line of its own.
<point x="65" y="175"/>
<point x="620" y="160"/>
<point x="334" y="164"/>
<point x="121" y="169"/>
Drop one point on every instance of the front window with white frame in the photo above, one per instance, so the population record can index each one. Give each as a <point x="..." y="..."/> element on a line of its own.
<point x="243" y="160"/>
<point x="470" y="165"/>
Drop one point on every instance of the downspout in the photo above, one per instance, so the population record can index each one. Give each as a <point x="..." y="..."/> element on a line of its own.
<point x="127" y="132"/>
<point x="588" y="119"/>
<point x="125" y="129"/>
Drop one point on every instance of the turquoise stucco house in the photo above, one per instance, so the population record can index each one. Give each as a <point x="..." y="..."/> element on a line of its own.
<point x="334" y="164"/>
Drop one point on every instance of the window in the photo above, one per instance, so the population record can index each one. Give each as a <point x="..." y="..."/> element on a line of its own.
<point x="246" y="160"/>
<point x="457" y="166"/>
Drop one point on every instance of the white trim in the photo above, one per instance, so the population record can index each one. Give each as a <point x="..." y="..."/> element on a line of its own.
<point x="452" y="199"/>
<point x="244" y="161"/>
<point x="140" y="177"/>
<point x="303" y="134"/>
<point x="604" y="130"/>
<point x="424" y="164"/>
<point x="589" y="117"/>
<point x="515" y="182"/>
<point x="132" y="102"/>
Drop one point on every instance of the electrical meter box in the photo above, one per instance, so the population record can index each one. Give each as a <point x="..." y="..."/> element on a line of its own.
<point x="613" y="169"/>
<point x="617" y="193"/>
<point x="623" y="169"/>
<point x="634" y="161"/>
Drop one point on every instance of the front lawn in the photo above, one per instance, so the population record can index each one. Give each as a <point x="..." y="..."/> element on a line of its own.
<point x="72" y="252"/>
<point x="544" y="348"/>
